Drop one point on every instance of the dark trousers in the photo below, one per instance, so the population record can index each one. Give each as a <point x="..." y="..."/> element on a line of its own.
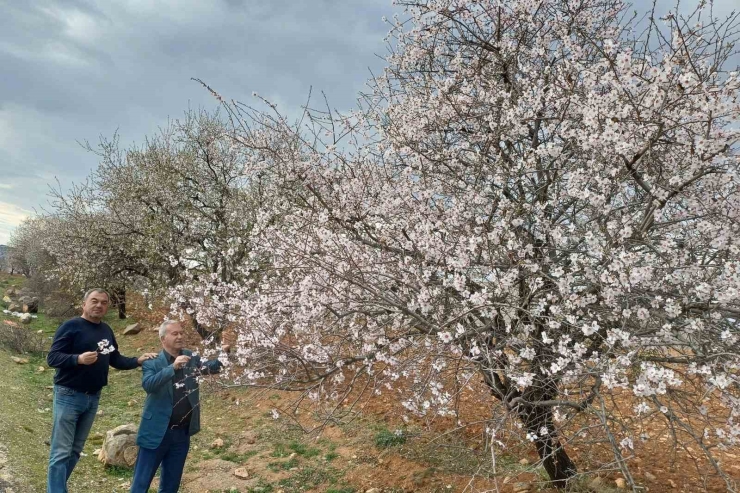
<point x="171" y="454"/>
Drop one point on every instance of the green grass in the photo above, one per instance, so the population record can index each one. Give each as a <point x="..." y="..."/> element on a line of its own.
<point x="280" y="450"/>
<point x="309" y="478"/>
<point x="262" y="487"/>
<point x="7" y="281"/>
<point x="238" y="458"/>
<point x="386" y="438"/>
<point x="283" y="466"/>
<point x="118" y="472"/>
<point x="303" y="450"/>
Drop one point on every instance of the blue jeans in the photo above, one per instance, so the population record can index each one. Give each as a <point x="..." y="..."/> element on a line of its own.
<point x="74" y="413"/>
<point x="171" y="454"/>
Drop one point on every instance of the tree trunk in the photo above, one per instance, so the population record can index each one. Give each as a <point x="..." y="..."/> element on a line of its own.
<point x="538" y="419"/>
<point x="122" y="304"/>
<point x="119" y="300"/>
<point x="560" y="468"/>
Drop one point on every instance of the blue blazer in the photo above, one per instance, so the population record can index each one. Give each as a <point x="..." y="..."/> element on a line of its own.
<point x="157" y="375"/>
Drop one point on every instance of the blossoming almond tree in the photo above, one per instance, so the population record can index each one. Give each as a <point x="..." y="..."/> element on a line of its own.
<point x="148" y="212"/>
<point x="542" y="192"/>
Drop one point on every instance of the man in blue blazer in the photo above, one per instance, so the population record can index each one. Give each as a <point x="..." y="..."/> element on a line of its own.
<point x="171" y="411"/>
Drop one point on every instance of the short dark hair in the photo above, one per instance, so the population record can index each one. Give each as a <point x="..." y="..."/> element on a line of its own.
<point x="95" y="290"/>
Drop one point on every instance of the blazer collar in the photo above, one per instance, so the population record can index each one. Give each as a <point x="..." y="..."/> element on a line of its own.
<point x="163" y="357"/>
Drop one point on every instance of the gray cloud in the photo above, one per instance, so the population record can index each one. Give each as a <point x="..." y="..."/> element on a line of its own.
<point x="76" y="69"/>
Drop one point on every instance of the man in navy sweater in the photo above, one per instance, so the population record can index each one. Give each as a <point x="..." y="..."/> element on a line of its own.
<point x="82" y="350"/>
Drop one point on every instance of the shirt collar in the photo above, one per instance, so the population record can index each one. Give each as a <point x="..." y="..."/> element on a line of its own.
<point x="170" y="358"/>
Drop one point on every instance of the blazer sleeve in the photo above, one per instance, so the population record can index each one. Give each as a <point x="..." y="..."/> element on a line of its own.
<point x="152" y="379"/>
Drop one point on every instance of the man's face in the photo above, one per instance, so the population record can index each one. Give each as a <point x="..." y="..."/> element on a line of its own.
<point x="173" y="340"/>
<point x="95" y="306"/>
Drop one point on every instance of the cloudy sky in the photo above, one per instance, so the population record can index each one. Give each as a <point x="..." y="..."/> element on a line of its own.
<point x="73" y="70"/>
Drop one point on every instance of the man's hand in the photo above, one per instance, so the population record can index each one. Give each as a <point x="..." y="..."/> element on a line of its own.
<point x="181" y="361"/>
<point x="140" y="360"/>
<point x="87" y="358"/>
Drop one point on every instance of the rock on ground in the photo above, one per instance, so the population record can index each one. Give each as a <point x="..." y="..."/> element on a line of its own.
<point x="132" y="329"/>
<point x="119" y="447"/>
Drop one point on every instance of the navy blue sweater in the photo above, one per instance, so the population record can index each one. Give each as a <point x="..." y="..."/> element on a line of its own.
<point x="78" y="336"/>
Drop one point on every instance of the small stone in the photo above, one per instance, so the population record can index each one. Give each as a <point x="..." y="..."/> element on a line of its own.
<point x="292" y="456"/>
<point x="40" y="369"/>
<point x="621" y="483"/>
<point x="25" y="318"/>
<point x="354" y="457"/>
<point x="241" y="473"/>
<point x="672" y="483"/>
<point x="100" y="412"/>
<point x="217" y="443"/>
<point x="649" y="476"/>
<point x="131" y="403"/>
<point x="373" y="490"/>
<point x="6" y="299"/>
<point x="97" y="451"/>
<point x="524" y="462"/>
<point x="20" y="361"/>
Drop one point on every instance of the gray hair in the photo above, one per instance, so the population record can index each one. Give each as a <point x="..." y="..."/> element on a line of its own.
<point x="95" y="290"/>
<point x="163" y="327"/>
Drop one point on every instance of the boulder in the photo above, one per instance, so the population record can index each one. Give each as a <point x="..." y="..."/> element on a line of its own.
<point x="132" y="329"/>
<point x="10" y="291"/>
<point x="25" y="318"/>
<point x="119" y="447"/>
<point x="30" y="305"/>
<point x="14" y="307"/>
